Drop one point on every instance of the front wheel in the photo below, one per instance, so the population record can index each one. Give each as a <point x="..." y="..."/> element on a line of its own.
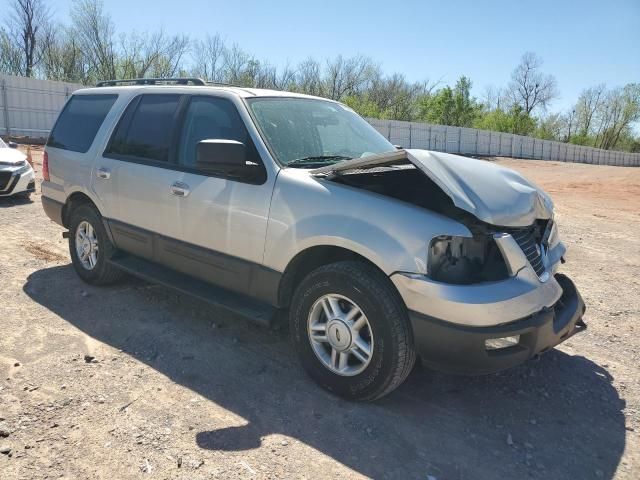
<point x="351" y="330"/>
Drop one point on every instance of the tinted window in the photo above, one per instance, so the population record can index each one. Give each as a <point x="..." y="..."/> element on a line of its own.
<point x="209" y="118"/>
<point x="146" y="127"/>
<point x="79" y="122"/>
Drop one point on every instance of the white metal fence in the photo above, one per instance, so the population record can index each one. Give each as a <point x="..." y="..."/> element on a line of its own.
<point x="471" y="141"/>
<point x="29" y="107"/>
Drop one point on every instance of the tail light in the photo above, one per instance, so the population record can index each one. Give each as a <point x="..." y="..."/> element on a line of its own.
<point x="45" y="166"/>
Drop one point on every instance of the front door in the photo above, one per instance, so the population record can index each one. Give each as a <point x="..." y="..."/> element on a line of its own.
<point x="222" y="221"/>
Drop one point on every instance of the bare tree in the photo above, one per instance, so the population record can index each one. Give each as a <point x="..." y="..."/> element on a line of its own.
<point x="23" y="32"/>
<point x="588" y="104"/>
<point x="62" y="56"/>
<point x="618" y="111"/>
<point x="396" y="98"/>
<point x="209" y="57"/>
<point x="309" y="77"/>
<point x="529" y="87"/>
<point x="96" y="32"/>
<point x="494" y="98"/>
<point x="348" y="76"/>
<point x="151" y="55"/>
<point x="10" y="58"/>
<point x="236" y="66"/>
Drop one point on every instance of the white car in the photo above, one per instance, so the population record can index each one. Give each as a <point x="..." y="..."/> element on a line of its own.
<point x="16" y="175"/>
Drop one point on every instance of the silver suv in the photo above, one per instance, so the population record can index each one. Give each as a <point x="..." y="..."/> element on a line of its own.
<point x="264" y="202"/>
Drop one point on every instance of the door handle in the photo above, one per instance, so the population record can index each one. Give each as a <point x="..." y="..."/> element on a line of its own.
<point x="103" y="173"/>
<point x="179" y="189"/>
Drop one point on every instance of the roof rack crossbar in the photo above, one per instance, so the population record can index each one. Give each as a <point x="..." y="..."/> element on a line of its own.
<point x="152" y="81"/>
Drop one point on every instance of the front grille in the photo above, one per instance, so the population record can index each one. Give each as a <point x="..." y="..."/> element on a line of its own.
<point x="4" y="179"/>
<point x="529" y="239"/>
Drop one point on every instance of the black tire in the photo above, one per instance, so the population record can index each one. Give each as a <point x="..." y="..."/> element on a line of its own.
<point x="102" y="273"/>
<point x="393" y="351"/>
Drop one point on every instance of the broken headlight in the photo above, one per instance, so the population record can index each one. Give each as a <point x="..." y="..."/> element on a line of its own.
<point x="465" y="260"/>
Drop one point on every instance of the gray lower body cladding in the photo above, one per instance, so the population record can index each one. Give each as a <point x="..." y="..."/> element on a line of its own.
<point x="462" y="349"/>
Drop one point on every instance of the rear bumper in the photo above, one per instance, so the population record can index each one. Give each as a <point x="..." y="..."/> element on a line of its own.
<point x="53" y="209"/>
<point x="462" y="349"/>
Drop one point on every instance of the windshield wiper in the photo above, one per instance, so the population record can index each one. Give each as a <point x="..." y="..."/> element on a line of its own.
<point x="316" y="160"/>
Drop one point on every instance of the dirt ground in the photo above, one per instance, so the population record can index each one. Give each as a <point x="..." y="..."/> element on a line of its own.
<point x="136" y="381"/>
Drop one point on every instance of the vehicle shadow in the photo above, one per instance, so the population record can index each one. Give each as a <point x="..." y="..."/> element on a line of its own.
<point x="557" y="417"/>
<point x="7" y="202"/>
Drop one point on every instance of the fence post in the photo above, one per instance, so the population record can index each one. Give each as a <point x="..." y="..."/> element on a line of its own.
<point x="459" y="139"/>
<point x="429" y="137"/>
<point x="6" y="108"/>
<point x="533" y="149"/>
<point x="477" y="134"/>
<point x="445" y="139"/>
<point x="389" y="132"/>
<point x="512" y="141"/>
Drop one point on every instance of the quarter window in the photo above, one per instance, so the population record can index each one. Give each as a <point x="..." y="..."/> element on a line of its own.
<point x="79" y="122"/>
<point x="146" y="132"/>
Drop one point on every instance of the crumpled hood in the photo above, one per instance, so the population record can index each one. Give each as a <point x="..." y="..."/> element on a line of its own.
<point x="493" y="194"/>
<point x="11" y="156"/>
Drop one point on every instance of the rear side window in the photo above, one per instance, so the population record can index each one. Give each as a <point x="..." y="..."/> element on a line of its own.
<point x="79" y="122"/>
<point x="146" y="127"/>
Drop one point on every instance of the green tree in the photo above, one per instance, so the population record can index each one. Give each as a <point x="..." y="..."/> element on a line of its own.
<point x="465" y="107"/>
<point x="363" y="106"/>
<point x="450" y="106"/>
<point x="515" y="120"/>
<point x="438" y="108"/>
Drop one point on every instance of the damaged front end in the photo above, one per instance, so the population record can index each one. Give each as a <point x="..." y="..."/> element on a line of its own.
<point x="510" y="219"/>
<point x="488" y="300"/>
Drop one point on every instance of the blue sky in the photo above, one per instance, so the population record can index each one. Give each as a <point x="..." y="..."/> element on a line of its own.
<point x="582" y="42"/>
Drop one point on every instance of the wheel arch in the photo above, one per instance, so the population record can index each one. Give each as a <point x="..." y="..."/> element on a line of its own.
<point x="73" y="201"/>
<point x="307" y="260"/>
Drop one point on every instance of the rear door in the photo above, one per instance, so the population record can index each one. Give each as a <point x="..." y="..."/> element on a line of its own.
<point x="133" y="176"/>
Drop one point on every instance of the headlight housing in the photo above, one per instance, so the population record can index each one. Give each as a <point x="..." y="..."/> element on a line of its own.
<point x="465" y="260"/>
<point x="554" y="235"/>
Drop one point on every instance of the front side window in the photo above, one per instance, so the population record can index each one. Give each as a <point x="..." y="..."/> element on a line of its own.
<point x="79" y="122"/>
<point x="146" y="128"/>
<point x="209" y="118"/>
<point x="305" y="132"/>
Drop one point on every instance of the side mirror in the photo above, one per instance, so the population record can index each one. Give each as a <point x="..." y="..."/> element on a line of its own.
<point x="13" y="145"/>
<point x="226" y="157"/>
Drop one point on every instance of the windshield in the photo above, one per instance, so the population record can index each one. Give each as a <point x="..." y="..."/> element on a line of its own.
<point x="2" y="144"/>
<point x="306" y="132"/>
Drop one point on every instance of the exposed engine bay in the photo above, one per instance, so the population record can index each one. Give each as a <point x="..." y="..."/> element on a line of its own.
<point x="454" y="260"/>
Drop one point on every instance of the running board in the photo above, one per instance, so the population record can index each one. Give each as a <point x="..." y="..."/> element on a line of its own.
<point x="237" y="303"/>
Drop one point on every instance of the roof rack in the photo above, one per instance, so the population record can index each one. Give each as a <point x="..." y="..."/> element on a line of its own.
<point x="153" y="81"/>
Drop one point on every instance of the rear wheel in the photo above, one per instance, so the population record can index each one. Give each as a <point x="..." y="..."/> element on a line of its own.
<point x="351" y="330"/>
<point x="90" y="247"/>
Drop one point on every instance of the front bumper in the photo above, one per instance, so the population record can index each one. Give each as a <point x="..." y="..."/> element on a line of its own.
<point x="18" y="180"/>
<point x="456" y="348"/>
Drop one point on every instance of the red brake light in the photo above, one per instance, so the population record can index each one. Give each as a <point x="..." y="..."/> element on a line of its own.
<point x="45" y="166"/>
